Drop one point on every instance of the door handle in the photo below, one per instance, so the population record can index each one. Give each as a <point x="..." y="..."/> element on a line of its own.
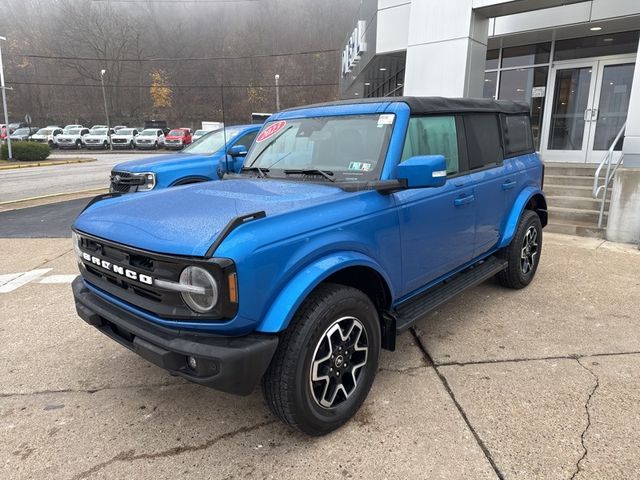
<point x="509" y="184"/>
<point x="464" y="200"/>
<point x="587" y="115"/>
<point x="594" y="114"/>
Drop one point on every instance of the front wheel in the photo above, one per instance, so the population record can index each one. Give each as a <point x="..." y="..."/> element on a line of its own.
<point x="326" y="360"/>
<point x="155" y="146"/>
<point x="78" y="144"/>
<point x="105" y="145"/>
<point x="523" y="253"/>
<point x="131" y="145"/>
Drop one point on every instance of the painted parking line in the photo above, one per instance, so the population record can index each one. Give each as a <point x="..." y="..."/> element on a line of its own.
<point x="58" y="279"/>
<point x="22" y="279"/>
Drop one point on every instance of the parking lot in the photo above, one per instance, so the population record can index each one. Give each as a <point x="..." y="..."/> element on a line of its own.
<point x="530" y="384"/>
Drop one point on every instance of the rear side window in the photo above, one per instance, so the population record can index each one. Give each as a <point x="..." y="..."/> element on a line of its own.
<point x="483" y="140"/>
<point x="516" y="131"/>
<point x="433" y="135"/>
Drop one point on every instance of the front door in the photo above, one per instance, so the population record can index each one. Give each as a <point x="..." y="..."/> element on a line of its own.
<point x="588" y="106"/>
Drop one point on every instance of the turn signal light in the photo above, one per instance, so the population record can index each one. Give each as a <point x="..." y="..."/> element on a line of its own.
<point x="232" y="280"/>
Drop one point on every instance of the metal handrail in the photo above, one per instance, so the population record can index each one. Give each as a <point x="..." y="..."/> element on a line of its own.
<point x="609" y="174"/>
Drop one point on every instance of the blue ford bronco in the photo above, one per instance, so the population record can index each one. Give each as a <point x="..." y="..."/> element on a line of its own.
<point x="207" y="159"/>
<point x="348" y="223"/>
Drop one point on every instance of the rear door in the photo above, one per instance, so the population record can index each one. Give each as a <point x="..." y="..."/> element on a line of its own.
<point x="497" y="170"/>
<point x="494" y="180"/>
<point x="437" y="225"/>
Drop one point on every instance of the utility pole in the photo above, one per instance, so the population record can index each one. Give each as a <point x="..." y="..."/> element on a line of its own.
<point x="277" y="77"/>
<point x="4" y="102"/>
<point x="106" y="111"/>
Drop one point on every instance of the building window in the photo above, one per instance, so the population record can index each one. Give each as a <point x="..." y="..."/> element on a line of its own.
<point x="490" y="84"/>
<point x="526" y="55"/>
<point x="597" y="46"/>
<point x="526" y="85"/>
<point x="492" y="59"/>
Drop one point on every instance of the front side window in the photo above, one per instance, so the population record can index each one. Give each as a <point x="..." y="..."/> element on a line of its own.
<point x="246" y="139"/>
<point x="349" y="147"/>
<point x="433" y="135"/>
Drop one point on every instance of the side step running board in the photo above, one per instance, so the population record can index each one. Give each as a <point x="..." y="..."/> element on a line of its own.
<point x="416" y="308"/>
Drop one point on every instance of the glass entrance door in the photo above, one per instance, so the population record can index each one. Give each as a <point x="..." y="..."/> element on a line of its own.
<point x="589" y="105"/>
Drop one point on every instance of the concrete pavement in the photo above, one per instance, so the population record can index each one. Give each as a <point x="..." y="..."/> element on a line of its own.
<point x="540" y="383"/>
<point x="23" y="183"/>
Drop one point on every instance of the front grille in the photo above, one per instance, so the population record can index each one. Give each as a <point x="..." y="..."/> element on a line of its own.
<point x="125" y="182"/>
<point x="119" y="140"/>
<point x="163" y="303"/>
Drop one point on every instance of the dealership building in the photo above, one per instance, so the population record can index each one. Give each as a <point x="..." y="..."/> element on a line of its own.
<point x="575" y="62"/>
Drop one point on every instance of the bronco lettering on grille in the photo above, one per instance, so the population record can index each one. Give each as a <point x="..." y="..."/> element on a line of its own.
<point x="117" y="269"/>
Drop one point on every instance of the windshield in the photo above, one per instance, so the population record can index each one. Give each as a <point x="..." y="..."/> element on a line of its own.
<point x="125" y="131"/>
<point x="200" y="132"/>
<point x="176" y="133"/>
<point x="44" y="131"/>
<point x="352" y="147"/>
<point x="212" y="141"/>
<point x="99" y="131"/>
<point x="149" y="133"/>
<point x="73" y="131"/>
<point x="21" y="131"/>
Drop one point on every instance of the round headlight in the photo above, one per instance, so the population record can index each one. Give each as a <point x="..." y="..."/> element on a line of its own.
<point x="199" y="277"/>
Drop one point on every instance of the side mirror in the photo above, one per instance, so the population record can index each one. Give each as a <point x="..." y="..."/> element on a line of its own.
<point x="238" y="151"/>
<point x="423" y="171"/>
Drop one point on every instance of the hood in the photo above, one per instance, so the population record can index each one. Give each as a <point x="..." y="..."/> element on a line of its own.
<point x="157" y="161"/>
<point x="187" y="220"/>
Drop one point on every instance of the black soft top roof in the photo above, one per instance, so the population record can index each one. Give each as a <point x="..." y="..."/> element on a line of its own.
<point x="426" y="105"/>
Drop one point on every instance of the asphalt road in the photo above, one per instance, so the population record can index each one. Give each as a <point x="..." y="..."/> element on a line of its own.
<point x="45" y="221"/>
<point x="533" y="384"/>
<point x="23" y="183"/>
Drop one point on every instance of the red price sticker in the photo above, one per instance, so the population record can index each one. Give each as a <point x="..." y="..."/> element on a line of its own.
<point x="271" y="130"/>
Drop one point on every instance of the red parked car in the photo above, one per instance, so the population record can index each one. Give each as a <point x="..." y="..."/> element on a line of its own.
<point x="177" y="138"/>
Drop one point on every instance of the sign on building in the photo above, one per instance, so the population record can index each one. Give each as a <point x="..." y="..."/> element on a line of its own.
<point x="354" y="48"/>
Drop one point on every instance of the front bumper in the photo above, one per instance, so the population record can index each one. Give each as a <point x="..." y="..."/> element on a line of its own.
<point x="230" y="364"/>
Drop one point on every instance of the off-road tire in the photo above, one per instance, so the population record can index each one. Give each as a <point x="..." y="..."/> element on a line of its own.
<point x="287" y="386"/>
<point x="514" y="276"/>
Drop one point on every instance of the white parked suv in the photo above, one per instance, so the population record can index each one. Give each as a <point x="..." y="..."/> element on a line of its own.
<point x="98" y="138"/>
<point x="124" y="138"/>
<point x="150" y="138"/>
<point x="48" y="135"/>
<point x="71" y="127"/>
<point x="72" y="138"/>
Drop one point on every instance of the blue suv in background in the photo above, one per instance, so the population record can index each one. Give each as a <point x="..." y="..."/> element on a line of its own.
<point x="349" y="222"/>
<point x="202" y="161"/>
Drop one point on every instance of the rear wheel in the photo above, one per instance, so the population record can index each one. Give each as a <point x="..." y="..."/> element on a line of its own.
<point x="523" y="253"/>
<point x="326" y="360"/>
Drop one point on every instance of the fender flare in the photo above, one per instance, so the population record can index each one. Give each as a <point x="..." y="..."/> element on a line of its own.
<point x="516" y="211"/>
<point x="281" y="310"/>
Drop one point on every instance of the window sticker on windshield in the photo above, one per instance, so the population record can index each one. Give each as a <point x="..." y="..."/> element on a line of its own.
<point x="385" y="119"/>
<point x="270" y="131"/>
<point x="360" y="166"/>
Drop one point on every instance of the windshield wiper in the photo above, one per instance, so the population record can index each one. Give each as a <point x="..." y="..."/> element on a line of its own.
<point x="328" y="174"/>
<point x="262" y="172"/>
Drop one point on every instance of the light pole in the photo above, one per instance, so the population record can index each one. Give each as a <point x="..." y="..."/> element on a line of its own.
<point x="277" y="77"/>
<point x="4" y="103"/>
<point x="106" y="111"/>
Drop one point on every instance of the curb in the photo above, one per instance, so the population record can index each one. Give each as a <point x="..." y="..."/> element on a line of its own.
<point x="46" y="164"/>
<point x="54" y="195"/>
